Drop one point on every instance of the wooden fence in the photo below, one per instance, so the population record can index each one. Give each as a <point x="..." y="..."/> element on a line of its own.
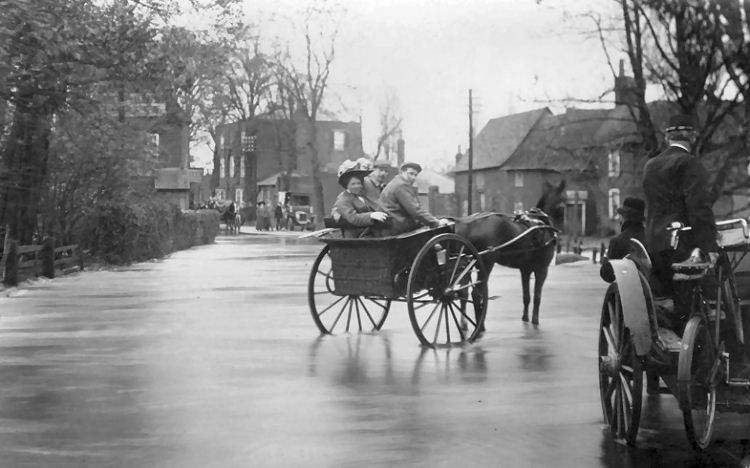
<point x="24" y="261"/>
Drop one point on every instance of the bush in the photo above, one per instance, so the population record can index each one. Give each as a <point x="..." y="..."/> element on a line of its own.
<point x="122" y="232"/>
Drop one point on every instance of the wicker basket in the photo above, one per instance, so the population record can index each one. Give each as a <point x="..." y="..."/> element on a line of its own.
<point x="376" y="266"/>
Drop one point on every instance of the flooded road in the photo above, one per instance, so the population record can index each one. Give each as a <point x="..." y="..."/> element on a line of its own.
<point x="211" y="358"/>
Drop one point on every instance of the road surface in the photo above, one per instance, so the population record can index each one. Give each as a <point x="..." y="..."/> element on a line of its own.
<point x="210" y="358"/>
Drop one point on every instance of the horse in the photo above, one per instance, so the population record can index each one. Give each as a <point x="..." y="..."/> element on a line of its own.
<point x="530" y="253"/>
<point x="233" y="222"/>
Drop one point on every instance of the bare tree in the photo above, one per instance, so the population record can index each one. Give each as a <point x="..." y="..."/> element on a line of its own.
<point x="390" y="123"/>
<point x="307" y="84"/>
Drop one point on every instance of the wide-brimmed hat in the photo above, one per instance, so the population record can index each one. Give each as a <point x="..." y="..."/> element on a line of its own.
<point x="632" y="209"/>
<point x="680" y="122"/>
<point x="412" y="165"/>
<point x="349" y="169"/>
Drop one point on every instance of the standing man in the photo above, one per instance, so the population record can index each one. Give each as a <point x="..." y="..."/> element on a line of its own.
<point x="677" y="189"/>
<point x="400" y="200"/>
<point x="375" y="181"/>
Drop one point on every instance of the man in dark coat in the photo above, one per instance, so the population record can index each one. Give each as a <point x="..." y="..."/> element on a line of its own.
<point x="631" y="214"/>
<point x="401" y="201"/>
<point x="375" y="180"/>
<point x="677" y="189"/>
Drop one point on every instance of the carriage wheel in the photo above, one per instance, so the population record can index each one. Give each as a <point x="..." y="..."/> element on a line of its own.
<point x="620" y="371"/>
<point x="696" y="389"/>
<point x="446" y="280"/>
<point x="335" y="314"/>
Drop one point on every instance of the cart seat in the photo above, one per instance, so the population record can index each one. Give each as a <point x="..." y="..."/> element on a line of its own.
<point x="694" y="268"/>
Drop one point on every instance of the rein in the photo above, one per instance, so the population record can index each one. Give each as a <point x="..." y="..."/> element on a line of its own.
<point x="521" y="235"/>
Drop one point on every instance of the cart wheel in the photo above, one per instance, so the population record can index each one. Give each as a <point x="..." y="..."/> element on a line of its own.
<point x="697" y="393"/>
<point x="447" y="275"/>
<point x="341" y="314"/>
<point x="620" y="371"/>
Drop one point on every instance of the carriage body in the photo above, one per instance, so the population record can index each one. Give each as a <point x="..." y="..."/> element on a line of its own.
<point x="693" y="361"/>
<point x="438" y="274"/>
<point x="377" y="266"/>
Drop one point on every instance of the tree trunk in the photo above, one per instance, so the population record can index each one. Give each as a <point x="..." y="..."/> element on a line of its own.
<point x="25" y="160"/>
<point x="318" y="201"/>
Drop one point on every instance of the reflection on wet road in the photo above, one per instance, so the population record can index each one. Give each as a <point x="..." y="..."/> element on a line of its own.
<point x="210" y="358"/>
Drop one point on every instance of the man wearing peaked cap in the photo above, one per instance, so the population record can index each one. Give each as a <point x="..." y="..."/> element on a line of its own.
<point x="375" y="182"/>
<point x="400" y="199"/>
<point x="677" y="190"/>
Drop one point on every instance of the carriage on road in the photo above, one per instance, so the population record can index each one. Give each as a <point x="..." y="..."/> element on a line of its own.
<point x="440" y="275"/>
<point x="704" y="364"/>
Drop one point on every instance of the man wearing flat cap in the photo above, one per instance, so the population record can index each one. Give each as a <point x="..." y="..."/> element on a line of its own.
<point x="677" y="190"/>
<point x="400" y="200"/>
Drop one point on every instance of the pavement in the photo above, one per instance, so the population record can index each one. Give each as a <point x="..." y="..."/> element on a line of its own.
<point x="209" y="358"/>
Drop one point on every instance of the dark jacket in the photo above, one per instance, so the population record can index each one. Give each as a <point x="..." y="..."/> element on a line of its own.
<point x="619" y="246"/>
<point x="677" y="189"/>
<point x="372" y="189"/>
<point x="355" y="210"/>
<point x="400" y="200"/>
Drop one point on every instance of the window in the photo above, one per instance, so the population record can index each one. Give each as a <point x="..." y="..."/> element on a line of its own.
<point x="614" y="163"/>
<point x="153" y="140"/>
<point x="614" y="202"/>
<point x="242" y="167"/>
<point x="221" y="141"/>
<point x="231" y="166"/>
<point x="248" y="142"/>
<point x="482" y="201"/>
<point x="339" y="140"/>
<point x="518" y="206"/>
<point x="519" y="179"/>
<point x="238" y="195"/>
<point x="220" y="194"/>
<point x="222" y="172"/>
<point x="479" y="179"/>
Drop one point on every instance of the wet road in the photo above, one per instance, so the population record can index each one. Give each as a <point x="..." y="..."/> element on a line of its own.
<point x="210" y="358"/>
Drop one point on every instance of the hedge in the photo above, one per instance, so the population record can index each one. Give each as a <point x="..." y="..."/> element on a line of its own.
<point x="124" y="232"/>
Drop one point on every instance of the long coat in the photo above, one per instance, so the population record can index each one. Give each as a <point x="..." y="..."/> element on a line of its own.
<point x="677" y="189"/>
<point x="355" y="210"/>
<point x="400" y="200"/>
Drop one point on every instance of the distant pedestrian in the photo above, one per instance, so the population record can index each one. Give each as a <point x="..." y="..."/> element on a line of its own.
<point x="261" y="217"/>
<point x="278" y="213"/>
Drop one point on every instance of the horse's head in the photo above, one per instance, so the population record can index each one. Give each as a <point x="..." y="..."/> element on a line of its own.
<point x="552" y="201"/>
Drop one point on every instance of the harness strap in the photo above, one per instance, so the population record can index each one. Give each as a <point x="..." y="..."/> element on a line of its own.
<point x="521" y="235"/>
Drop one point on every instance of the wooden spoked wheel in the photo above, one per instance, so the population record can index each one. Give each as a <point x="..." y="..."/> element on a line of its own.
<point x="447" y="292"/>
<point x="620" y="371"/>
<point x="696" y="388"/>
<point x="334" y="314"/>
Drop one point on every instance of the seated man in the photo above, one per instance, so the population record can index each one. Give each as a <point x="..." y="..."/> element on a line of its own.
<point x="352" y="206"/>
<point x="400" y="200"/>
<point x="631" y="218"/>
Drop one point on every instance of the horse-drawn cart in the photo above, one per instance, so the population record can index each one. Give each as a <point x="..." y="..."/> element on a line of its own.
<point x="705" y="364"/>
<point x="439" y="274"/>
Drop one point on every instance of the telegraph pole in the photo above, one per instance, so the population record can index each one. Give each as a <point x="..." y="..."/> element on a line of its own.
<point x="470" y="174"/>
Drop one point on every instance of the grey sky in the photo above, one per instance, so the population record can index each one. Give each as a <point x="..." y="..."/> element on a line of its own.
<point x="515" y="55"/>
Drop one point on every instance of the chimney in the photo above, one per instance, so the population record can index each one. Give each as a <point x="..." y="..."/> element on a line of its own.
<point x="458" y="155"/>
<point x="400" y="148"/>
<point x="626" y="92"/>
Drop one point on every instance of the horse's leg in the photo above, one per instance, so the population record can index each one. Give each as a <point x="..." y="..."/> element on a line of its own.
<point x="540" y="275"/>
<point x="525" y="278"/>
<point x="476" y="297"/>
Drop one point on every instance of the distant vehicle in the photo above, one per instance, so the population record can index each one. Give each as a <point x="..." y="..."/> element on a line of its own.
<point x="300" y="212"/>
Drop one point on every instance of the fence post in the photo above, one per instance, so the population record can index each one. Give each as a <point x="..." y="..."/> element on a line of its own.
<point x="10" y="275"/>
<point x="601" y="253"/>
<point x="79" y="251"/>
<point x="48" y="257"/>
<point x="593" y="255"/>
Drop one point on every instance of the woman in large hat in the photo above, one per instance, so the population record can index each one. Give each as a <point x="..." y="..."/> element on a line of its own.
<point x="352" y="206"/>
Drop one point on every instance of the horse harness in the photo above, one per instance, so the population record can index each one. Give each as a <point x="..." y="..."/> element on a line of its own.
<point x="534" y="220"/>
